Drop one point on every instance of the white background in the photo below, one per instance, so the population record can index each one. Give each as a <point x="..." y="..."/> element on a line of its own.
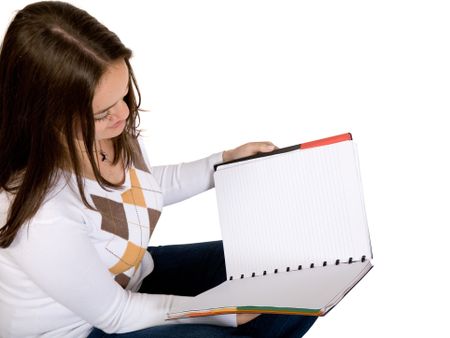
<point x="217" y="74"/>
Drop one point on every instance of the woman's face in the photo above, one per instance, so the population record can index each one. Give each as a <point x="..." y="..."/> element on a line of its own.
<point x="110" y="109"/>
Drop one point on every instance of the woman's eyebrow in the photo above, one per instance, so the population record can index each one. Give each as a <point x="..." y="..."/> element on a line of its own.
<point x="106" y="109"/>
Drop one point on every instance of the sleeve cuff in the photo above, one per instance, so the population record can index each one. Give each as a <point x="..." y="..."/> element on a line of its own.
<point x="215" y="159"/>
<point x="229" y="320"/>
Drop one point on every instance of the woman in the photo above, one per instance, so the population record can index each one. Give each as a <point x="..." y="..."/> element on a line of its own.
<point x="79" y="199"/>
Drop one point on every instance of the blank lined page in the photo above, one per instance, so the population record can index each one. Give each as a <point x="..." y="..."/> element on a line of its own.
<point x="290" y="209"/>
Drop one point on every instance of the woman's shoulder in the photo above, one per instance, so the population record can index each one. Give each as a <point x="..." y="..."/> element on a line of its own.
<point x="62" y="200"/>
<point x="60" y="207"/>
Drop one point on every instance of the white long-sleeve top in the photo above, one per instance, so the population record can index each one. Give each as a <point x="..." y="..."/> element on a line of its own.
<point x="72" y="269"/>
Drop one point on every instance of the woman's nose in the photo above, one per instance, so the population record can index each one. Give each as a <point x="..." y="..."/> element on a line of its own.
<point x="120" y="111"/>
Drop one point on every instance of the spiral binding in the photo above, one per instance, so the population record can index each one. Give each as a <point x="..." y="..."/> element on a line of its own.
<point x="311" y="266"/>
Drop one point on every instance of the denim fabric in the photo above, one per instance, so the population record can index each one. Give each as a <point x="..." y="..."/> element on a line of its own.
<point x="190" y="269"/>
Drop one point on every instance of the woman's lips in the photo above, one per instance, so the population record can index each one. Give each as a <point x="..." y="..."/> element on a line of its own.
<point x="118" y="124"/>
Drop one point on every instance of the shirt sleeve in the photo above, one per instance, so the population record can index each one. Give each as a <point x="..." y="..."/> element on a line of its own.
<point x="181" y="181"/>
<point x="57" y="255"/>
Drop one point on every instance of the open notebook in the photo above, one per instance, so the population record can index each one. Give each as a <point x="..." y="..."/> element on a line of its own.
<point x="294" y="230"/>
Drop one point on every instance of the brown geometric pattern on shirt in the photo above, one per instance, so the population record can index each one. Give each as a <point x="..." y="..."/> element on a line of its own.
<point x="135" y="196"/>
<point x="122" y="279"/>
<point x="153" y="216"/>
<point x="139" y="162"/>
<point x="114" y="219"/>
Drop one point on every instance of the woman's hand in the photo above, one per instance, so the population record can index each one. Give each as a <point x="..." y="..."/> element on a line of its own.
<point x="243" y="318"/>
<point x="248" y="149"/>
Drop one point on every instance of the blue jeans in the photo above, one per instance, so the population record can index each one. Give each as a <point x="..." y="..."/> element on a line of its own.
<point x="190" y="269"/>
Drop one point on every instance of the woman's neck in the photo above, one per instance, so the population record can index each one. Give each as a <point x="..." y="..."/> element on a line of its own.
<point x="103" y="156"/>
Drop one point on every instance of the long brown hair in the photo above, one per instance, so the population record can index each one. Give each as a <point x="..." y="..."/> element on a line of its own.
<point x="51" y="60"/>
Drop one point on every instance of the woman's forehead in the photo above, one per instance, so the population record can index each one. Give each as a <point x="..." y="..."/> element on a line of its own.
<point x="112" y="86"/>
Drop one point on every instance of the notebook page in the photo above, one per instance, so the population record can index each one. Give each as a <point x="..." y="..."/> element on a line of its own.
<point x="292" y="209"/>
<point x="316" y="289"/>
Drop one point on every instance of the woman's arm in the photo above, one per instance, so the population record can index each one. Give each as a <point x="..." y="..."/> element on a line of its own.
<point x="184" y="180"/>
<point x="181" y="181"/>
<point x="65" y="281"/>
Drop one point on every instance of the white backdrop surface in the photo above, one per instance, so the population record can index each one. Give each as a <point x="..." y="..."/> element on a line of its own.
<point x="217" y="74"/>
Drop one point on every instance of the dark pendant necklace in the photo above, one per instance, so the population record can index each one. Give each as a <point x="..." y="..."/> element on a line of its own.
<point x="104" y="156"/>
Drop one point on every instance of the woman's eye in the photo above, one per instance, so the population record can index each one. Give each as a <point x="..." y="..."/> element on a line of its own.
<point x="102" y="117"/>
